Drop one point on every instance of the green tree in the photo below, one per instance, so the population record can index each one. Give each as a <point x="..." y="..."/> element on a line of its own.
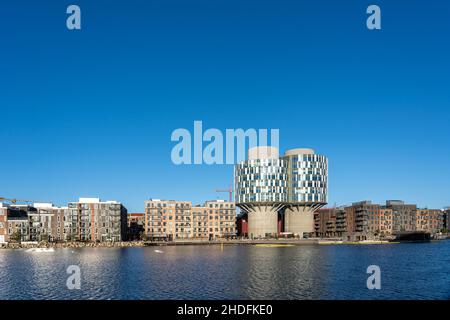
<point x="16" y="236"/>
<point x="142" y="236"/>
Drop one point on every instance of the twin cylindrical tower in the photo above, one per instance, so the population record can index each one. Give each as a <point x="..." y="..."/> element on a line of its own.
<point x="267" y="184"/>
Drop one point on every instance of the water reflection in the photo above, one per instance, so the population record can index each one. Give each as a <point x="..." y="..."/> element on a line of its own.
<point x="234" y="272"/>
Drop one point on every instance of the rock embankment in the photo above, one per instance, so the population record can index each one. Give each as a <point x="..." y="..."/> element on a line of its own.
<point x="29" y="245"/>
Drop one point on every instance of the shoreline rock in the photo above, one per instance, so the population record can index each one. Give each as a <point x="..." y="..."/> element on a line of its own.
<point x="61" y="245"/>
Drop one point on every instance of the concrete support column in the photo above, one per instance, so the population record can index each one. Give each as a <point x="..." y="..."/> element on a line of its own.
<point x="262" y="221"/>
<point x="299" y="220"/>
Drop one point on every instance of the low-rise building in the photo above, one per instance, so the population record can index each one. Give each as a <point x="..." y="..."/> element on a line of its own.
<point x="242" y="225"/>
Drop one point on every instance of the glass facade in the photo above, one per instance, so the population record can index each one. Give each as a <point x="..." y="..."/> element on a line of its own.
<point x="261" y="180"/>
<point x="298" y="178"/>
<point x="307" y="178"/>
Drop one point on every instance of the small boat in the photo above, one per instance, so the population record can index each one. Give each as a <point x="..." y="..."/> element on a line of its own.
<point x="159" y="251"/>
<point x="41" y="250"/>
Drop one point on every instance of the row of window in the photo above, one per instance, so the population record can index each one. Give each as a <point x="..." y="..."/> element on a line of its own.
<point x="187" y="206"/>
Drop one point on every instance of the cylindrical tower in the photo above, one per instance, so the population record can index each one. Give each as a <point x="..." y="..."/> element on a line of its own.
<point x="267" y="183"/>
<point x="307" y="186"/>
<point x="261" y="189"/>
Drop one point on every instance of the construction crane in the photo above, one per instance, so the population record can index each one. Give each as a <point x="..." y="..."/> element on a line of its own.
<point x="229" y="191"/>
<point x="14" y="201"/>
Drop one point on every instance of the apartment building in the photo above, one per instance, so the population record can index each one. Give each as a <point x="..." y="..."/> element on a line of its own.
<point x="171" y="220"/>
<point x="373" y="219"/>
<point x="90" y="219"/>
<point x="404" y="215"/>
<point x="167" y="219"/>
<point x="384" y="222"/>
<point x="344" y="223"/>
<point x="3" y="223"/>
<point x="221" y="218"/>
<point x="430" y="220"/>
<point x="325" y="222"/>
<point x="17" y="223"/>
<point x="60" y="230"/>
<point x="365" y="220"/>
<point x="360" y="213"/>
<point x="447" y="218"/>
<point x="200" y="220"/>
<point x="40" y="219"/>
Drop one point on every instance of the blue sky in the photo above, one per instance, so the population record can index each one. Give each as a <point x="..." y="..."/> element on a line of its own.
<point x="90" y="112"/>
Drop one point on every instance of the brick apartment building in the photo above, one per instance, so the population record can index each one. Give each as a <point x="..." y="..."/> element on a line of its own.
<point x="169" y="219"/>
<point x="325" y="223"/>
<point x="404" y="215"/>
<point x="369" y="219"/>
<point x="431" y="220"/>
<point x="365" y="220"/>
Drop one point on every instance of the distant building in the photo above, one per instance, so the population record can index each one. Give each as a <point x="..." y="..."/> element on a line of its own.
<point x="136" y="226"/>
<point x="171" y="220"/>
<point x="90" y="219"/>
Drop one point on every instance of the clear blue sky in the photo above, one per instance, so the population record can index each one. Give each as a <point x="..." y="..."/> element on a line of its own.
<point x="90" y="112"/>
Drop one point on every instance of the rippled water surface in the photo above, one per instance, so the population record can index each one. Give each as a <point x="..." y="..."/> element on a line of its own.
<point x="409" y="271"/>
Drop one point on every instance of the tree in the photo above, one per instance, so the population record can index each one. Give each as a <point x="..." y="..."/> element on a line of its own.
<point x="16" y="236"/>
<point x="142" y="236"/>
